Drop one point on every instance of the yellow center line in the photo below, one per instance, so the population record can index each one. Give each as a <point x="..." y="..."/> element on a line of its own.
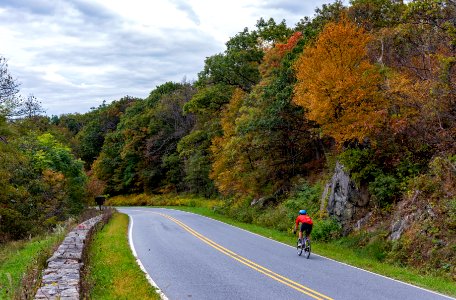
<point x="284" y="280"/>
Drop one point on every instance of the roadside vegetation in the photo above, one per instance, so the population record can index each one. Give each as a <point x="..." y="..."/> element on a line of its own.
<point x="111" y="270"/>
<point x="21" y="263"/>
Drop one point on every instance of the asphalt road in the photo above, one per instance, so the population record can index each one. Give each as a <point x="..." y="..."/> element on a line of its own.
<point x="193" y="257"/>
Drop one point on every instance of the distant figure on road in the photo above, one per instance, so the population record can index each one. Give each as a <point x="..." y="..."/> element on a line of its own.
<point x="99" y="200"/>
<point x="306" y="224"/>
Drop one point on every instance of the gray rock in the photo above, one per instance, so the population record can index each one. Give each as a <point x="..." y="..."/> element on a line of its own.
<point x="344" y="198"/>
<point x="263" y="201"/>
<point x="400" y="225"/>
<point x="363" y="221"/>
<point x="71" y="292"/>
<point x="63" y="264"/>
<point x="324" y="196"/>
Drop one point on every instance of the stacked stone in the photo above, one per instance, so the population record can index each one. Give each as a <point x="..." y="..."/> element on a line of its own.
<point x="61" y="277"/>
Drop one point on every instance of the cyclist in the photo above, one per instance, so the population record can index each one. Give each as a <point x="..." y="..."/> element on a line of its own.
<point x="306" y="225"/>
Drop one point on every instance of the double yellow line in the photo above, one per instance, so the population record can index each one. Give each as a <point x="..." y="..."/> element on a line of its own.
<point x="288" y="282"/>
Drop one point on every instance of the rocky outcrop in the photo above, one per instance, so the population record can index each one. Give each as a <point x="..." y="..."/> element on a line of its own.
<point x="61" y="278"/>
<point x="400" y="225"/>
<point x="404" y="216"/>
<point x="408" y="212"/>
<point x="263" y="201"/>
<point x="346" y="201"/>
<point x="362" y="222"/>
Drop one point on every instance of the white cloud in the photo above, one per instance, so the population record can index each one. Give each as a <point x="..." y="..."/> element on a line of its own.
<point x="73" y="54"/>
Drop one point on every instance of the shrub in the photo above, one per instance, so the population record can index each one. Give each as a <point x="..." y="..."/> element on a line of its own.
<point x="13" y="224"/>
<point x="326" y="229"/>
<point x="243" y="215"/>
<point x="368" y="244"/>
<point x="383" y="189"/>
<point x="274" y="217"/>
<point x="451" y="220"/>
<point x="95" y="187"/>
<point x="378" y="247"/>
<point x="241" y="210"/>
<point x="360" y="163"/>
<point x="307" y="197"/>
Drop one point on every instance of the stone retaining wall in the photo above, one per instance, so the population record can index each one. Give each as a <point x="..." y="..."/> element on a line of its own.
<point x="62" y="275"/>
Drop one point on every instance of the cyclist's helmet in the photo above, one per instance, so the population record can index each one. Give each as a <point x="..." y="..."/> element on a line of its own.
<point x="303" y="212"/>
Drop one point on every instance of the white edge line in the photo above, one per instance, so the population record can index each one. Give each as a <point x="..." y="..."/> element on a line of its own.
<point x="141" y="266"/>
<point x="396" y="280"/>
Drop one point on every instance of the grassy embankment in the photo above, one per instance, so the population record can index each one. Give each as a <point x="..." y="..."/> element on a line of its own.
<point x="339" y="250"/>
<point x="112" y="272"/>
<point x="22" y="261"/>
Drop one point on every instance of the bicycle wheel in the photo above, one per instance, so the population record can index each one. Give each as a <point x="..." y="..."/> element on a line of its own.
<point x="307" y="248"/>
<point x="298" y="248"/>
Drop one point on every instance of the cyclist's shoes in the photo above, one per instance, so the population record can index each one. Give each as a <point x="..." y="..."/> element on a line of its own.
<point x="299" y="243"/>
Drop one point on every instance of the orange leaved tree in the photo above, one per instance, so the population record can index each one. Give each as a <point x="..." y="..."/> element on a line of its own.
<point x="229" y="164"/>
<point x="337" y="84"/>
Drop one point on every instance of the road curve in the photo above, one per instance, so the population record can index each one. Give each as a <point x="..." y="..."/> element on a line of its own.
<point x="193" y="257"/>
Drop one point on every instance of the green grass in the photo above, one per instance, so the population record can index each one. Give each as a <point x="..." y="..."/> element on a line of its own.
<point x="22" y="257"/>
<point x="341" y="253"/>
<point x="112" y="272"/>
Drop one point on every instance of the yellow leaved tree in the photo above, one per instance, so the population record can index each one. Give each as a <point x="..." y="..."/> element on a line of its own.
<point x="229" y="164"/>
<point x="337" y="84"/>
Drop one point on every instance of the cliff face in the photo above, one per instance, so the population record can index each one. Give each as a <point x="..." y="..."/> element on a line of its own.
<point x="419" y="229"/>
<point x="352" y="208"/>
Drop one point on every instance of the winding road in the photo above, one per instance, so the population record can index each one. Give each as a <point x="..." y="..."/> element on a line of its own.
<point x="193" y="257"/>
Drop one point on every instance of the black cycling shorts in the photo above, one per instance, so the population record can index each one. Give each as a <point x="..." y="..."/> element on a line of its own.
<point x="307" y="228"/>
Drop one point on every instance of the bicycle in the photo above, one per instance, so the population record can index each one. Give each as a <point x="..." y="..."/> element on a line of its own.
<point x="304" y="247"/>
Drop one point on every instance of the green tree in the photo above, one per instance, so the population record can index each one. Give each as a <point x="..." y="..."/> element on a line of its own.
<point x="311" y="27"/>
<point x="193" y="150"/>
<point x="376" y="14"/>
<point x="141" y="154"/>
<point x="49" y="154"/>
<point x="207" y="105"/>
<point x="41" y="184"/>
<point x="104" y="119"/>
<point x="238" y="65"/>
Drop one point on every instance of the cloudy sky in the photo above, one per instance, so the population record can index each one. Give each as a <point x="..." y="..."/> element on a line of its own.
<point x="73" y="54"/>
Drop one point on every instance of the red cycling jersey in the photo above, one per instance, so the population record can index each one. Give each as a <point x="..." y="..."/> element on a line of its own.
<point x="303" y="219"/>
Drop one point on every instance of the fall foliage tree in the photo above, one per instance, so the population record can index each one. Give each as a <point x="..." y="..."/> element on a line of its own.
<point x="337" y="84"/>
<point x="41" y="184"/>
<point x="422" y="89"/>
<point x="264" y="145"/>
<point x="228" y="163"/>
